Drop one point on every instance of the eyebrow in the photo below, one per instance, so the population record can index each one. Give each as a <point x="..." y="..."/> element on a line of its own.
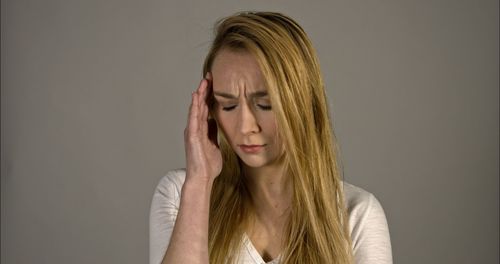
<point x="231" y="96"/>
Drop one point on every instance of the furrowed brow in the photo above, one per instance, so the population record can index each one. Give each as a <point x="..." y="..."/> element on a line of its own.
<point x="257" y="94"/>
<point x="225" y="95"/>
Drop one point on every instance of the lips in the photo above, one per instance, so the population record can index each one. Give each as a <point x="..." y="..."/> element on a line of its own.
<point x="251" y="149"/>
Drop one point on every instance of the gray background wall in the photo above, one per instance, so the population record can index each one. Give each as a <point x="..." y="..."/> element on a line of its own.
<point x="94" y="99"/>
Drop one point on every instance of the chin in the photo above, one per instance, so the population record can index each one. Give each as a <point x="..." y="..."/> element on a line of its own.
<point x="254" y="162"/>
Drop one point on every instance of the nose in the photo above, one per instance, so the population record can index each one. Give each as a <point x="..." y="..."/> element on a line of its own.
<point x="248" y="122"/>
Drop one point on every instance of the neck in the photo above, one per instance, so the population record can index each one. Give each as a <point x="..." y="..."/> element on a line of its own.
<point x="270" y="190"/>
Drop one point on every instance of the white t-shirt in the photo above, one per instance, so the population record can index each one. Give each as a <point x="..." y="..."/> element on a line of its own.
<point x="368" y="225"/>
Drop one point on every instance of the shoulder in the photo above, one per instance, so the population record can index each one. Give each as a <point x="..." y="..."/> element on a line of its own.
<point x="173" y="179"/>
<point x="368" y="226"/>
<point x="361" y="205"/>
<point x="358" y="199"/>
<point x="169" y="187"/>
<point x="163" y="212"/>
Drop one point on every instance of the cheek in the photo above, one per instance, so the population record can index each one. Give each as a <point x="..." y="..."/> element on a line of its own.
<point x="268" y="124"/>
<point x="270" y="128"/>
<point x="226" y="124"/>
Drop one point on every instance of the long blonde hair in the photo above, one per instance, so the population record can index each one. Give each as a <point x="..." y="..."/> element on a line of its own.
<point x="317" y="229"/>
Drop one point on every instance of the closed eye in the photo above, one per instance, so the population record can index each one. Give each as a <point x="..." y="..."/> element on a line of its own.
<point x="228" y="108"/>
<point x="264" y="107"/>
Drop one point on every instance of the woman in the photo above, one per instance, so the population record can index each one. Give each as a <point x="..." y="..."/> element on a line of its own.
<point x="262" y="183"/>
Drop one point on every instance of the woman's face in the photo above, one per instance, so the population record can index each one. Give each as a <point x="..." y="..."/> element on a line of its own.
<point x="243" y="109"/>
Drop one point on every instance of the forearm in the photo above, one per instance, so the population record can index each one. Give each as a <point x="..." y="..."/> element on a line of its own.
<point x="189" y="241"/>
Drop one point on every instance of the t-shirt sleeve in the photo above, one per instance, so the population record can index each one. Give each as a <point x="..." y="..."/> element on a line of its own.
<point x="369" y="229"/>
<point x="163" y="212"/>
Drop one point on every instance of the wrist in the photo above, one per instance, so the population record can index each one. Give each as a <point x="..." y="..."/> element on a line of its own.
<point x="198" y="184"/>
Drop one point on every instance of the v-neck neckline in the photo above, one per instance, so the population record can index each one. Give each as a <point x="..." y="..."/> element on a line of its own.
<point x="254" y="254"/>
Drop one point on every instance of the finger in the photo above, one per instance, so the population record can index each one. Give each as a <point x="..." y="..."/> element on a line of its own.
<point x="190" y="108"/>
<point x="208" y="87"/>
<point x="199" y="93"/>
<point x="209" y="90"/>
<point x="204" y="102"/>
<point x="203" y="110"/>
<point x="202" y="92"/>
<point x="193" y="114"/>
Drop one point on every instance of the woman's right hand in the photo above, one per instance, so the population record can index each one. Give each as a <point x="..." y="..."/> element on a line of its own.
<point x="189" y="241"/>
<point x="203" y="157"/>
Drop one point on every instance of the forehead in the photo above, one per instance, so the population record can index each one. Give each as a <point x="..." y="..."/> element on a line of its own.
<point x="233" y="71"/>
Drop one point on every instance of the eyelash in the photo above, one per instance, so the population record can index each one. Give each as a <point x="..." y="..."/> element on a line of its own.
<point x="229" y="108"/>
<point x="263" y="107"/>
